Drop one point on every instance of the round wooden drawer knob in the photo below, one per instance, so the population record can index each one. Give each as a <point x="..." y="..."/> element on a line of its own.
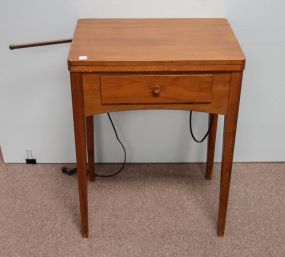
<point x="156" y="91"/>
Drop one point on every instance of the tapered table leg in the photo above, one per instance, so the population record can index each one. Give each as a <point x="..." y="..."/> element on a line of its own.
<point x="80" y="143"/>
<point x="90" y="147"/>
<point x="213" y="122"/>
<point x="228" y="148"/>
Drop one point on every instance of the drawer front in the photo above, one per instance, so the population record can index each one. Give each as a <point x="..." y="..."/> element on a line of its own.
<point x="152" y="89"/>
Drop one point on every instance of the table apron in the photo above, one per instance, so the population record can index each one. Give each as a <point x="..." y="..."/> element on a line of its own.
<point x="93" y="96"/>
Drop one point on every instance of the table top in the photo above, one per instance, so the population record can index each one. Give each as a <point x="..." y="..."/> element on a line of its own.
<point x="154" y="42"/>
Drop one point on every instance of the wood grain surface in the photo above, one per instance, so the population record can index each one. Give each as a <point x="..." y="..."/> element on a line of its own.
<point x="155" y="42"/>
<point x="143" y="89"/>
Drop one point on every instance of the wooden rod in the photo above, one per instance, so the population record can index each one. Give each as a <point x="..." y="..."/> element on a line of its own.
<point x="44" y="43"/>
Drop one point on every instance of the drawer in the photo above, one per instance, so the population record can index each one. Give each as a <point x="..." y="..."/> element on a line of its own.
<point x="152" y="89"/>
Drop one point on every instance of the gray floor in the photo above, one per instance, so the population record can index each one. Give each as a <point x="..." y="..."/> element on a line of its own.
<point x="149" y="210"/>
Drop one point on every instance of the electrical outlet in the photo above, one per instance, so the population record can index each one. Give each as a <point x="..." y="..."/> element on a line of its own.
<point x="30" y="159"/>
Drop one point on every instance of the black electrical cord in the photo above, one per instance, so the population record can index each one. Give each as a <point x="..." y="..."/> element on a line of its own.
<point x="124" y="149"/>
<point x="191" y="130"/>
<point x="71" y="171"/>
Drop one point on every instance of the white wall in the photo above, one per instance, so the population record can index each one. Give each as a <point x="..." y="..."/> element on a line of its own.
<point x="35" y="104"/>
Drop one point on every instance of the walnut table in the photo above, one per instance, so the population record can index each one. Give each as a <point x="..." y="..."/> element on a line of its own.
<point x="143" y="64"/>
